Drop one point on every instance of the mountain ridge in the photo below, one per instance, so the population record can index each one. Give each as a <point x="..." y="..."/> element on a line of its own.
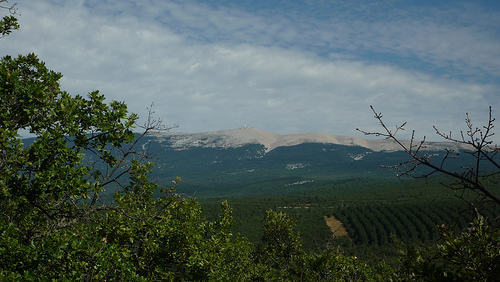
<point x="234" y="138"/>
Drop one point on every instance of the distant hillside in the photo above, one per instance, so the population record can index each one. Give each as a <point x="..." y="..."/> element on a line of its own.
<point x="248" y="161"/>
<point x="234" y="138"/>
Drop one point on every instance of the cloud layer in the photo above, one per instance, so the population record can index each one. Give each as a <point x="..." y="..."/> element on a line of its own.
<point x="288" y="67"/>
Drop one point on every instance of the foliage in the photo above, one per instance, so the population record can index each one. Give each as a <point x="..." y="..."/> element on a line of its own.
<point x="471" y="255"/>
<point x="279" y="257"/>
<point x="280" y="246"/>
<point x="52" y="223"/>
<point x="47" y="186"/>
<point x="414" y="223"/>
<point x="170" y="239"/>
<point x="8" y="23"/>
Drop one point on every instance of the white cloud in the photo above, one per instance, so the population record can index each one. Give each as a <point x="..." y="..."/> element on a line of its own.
<point x="208" y="69"/>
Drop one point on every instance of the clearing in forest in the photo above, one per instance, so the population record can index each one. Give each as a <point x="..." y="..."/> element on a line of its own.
<point x="336" y="226"/>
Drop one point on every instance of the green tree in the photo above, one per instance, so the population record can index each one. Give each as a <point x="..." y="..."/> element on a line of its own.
<point x="280" y="257"/>
<point x="49" y="185"/>
<point x="281" y="247"/>
<point x="471" y="255"/>
<point x="53" y="224"/>
<point x="8" y="23"/>
<point x="48" y="189"/>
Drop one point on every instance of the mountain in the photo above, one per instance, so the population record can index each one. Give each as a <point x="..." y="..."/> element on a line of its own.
<point x="248" y="161"/>
<point x="251" y="162"/>
<point x="234" y="138"/>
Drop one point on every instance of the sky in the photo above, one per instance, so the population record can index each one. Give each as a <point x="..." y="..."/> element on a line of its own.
<point x="281" y="66"/>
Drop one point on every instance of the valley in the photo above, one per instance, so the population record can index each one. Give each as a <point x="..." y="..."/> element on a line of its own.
<point x="312" y="177"/>
<point x="335" y="188"/>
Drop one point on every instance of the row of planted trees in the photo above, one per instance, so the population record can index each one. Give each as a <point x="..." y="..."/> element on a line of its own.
<point x="374" y="224"/>
<point x="53" y="225"/>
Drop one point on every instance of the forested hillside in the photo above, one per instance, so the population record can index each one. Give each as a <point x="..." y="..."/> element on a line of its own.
<point x="247" y="170"/>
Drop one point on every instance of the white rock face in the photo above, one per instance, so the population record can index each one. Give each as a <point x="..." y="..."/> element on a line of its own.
<point x="234" y="138"/>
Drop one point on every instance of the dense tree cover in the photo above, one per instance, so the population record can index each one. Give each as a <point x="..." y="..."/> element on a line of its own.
<point x="8" y="23"/>
<point x="413" y="223"/>
<point x="424" y="207"/>
<point x="471" y="255"/>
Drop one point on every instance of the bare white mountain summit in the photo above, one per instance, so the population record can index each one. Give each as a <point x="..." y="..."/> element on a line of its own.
<point x="233" y="138"/>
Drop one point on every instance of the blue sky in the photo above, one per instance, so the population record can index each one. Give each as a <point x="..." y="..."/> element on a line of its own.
<point x="281" y="66"/>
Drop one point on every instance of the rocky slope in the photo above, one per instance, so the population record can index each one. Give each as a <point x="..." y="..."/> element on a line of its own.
<point x="234" y="138"/>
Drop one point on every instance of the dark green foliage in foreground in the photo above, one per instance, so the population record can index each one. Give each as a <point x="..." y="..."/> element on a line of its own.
<point x="279" y="256"/>
<point x="8" y="23"/>
<point x="471" y="255"/>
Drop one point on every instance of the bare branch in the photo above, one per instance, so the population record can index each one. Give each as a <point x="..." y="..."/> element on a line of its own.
<point x="11" y="8"/>
<point x="472" y="178"/>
